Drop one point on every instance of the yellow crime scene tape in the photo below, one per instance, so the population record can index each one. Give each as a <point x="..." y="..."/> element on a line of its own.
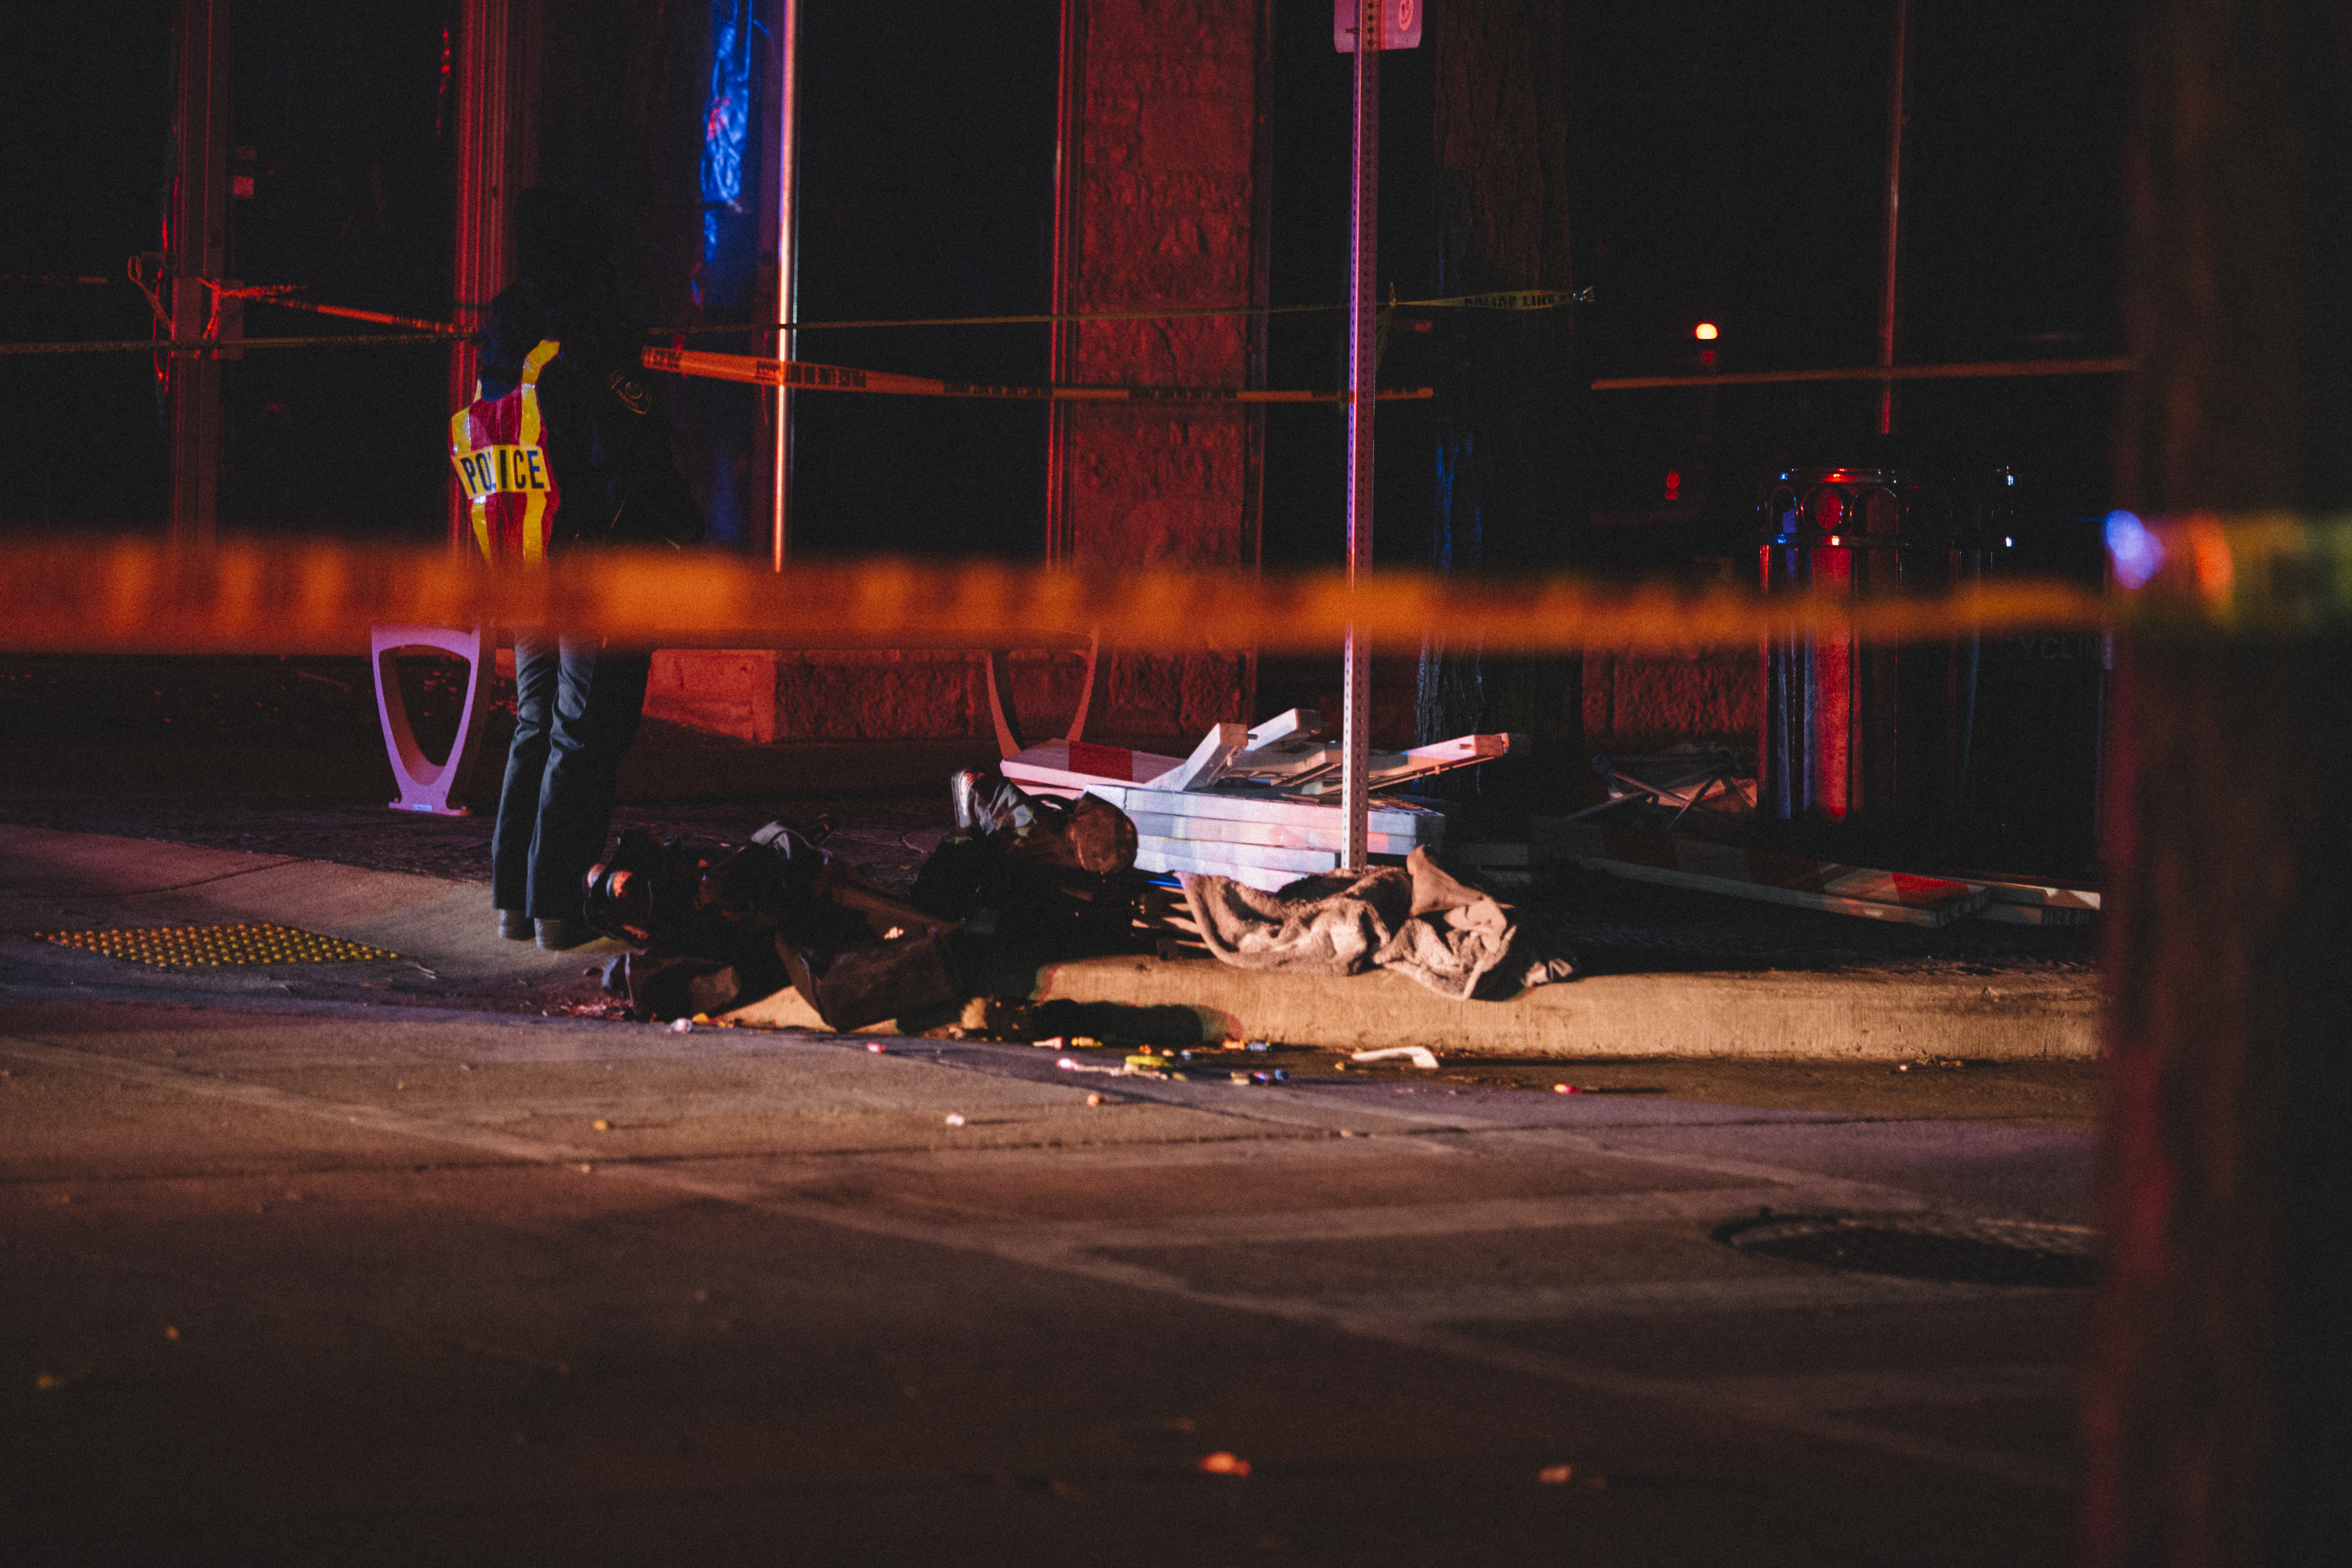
<point x="801" y="373"/>
<point x="1976" y="370"/>
<point x="381" y="318"/>
<point x="2261" y="575"/>
<point x="761" y="372"/>
<point x="1507" y="299"/>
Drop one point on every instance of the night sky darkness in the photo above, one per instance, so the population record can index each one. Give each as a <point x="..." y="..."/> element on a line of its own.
<point x="1727" y="159"/>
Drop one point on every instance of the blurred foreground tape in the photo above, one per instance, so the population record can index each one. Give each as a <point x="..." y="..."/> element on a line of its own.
<point x="320" y="598"/>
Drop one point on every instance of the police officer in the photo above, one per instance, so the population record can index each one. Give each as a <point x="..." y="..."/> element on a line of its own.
<point x="558" y="341"/>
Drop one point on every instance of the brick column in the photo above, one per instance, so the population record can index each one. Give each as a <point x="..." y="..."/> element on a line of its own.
<point x="1162" y="175"/>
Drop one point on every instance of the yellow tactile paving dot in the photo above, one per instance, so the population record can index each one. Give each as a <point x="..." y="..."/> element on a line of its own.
<point x="217" y="947"/>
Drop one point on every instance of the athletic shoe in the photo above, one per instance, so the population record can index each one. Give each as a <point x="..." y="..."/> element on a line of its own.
<point x="563" y="931"/>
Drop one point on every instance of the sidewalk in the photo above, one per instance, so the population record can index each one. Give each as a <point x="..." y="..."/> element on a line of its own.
<point x="1671" y="975"/>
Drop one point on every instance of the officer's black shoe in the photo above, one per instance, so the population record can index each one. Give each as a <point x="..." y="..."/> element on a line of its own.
<point x="563" y="931"/>
<point x="515" y="926"/>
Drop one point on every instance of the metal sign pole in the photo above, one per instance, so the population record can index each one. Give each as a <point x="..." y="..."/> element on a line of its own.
<point x="1362" y="378"/>
<point x="786" y="175"/>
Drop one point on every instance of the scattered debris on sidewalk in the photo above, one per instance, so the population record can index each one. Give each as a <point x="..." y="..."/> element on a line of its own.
<point x="1416" y="919"/>
<point x="1418" y="1056"/>
<point x="1259" y="805"/>
<point x="1515" y="846"/>
<point x="607" y="1010"/>
<point x="705" y="937"/>
<point x="1052" y="860"/>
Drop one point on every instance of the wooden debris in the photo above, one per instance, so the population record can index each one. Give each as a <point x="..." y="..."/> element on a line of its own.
<point x="1642" y="856"/>
<point x="1207" y="763"/>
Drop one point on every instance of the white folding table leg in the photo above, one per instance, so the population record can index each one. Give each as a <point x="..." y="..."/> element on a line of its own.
<point x="425" y="784"/>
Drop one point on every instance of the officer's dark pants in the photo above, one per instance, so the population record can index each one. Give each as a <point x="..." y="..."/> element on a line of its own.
<point x="577" y="705"/>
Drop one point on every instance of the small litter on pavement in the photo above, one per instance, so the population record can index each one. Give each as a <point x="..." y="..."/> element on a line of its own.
<point x="1419" y="1055"/>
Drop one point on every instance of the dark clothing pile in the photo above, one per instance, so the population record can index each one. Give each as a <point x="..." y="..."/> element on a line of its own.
<point x="1019" y="876"/>
<point x="780" y="911"/>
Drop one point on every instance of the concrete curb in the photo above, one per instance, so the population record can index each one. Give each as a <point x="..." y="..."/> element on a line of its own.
<point x="1833" y="1017"/>
<point x="1871" y="1017"/>
<point x="88" y="878"/>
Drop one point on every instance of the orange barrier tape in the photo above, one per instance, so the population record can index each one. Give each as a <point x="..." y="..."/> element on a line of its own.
<point x="380" y="317"/>
<point x="213" y="345"/>
<point x="801" y="373"/>
<point x="1511" y="300"/>
<point x="139" y="595"/>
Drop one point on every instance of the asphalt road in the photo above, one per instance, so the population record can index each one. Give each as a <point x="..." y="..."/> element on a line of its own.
<point x="310" y="1281"/>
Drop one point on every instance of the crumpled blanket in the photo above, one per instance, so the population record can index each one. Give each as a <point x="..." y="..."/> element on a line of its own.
<point x="1460" y="942"/>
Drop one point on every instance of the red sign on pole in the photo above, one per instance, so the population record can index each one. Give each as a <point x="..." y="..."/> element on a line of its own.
<point x="1400" y="22"/>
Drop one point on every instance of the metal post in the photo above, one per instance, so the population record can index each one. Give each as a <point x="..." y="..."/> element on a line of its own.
<point x="1069" y="133"/>
<point x="1897" y="107"/>
<point x="199" y="255"/>
<point x="1362" y="384"/>
<point x="493" y="164"/>
<point x="788" y="165"/>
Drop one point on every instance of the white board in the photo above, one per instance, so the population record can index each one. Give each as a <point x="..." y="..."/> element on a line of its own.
<point x="1221" y="830"/>
<point x="1299" y="862"/>
<point x="1416" y="823"/>
<point x="1256" y="877"/>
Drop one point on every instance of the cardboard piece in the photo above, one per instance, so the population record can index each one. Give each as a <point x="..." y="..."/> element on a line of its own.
<point x="2041" y="895"/>
<point x="1642" y="856"/>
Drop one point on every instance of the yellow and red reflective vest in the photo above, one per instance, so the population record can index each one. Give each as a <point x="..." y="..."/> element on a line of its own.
<point x="500" y="447"/>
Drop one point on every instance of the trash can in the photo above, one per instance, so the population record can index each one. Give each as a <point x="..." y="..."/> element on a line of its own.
<point x="2037" y="760"/>
<point x="1857" y="732"/>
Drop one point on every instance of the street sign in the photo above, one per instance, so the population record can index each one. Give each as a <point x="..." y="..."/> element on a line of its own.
<point x="1400" y="22"/>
